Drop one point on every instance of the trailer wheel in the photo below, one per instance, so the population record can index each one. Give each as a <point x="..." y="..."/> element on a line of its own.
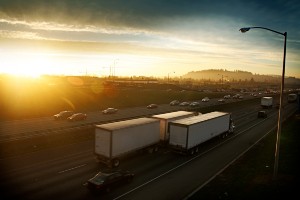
<point x="192" y="152"/>
<point x="224" y="135"/>
<point x="107" y="190"/>
<point x="150" y="150"/>
<point x="129" y="179"/>
<point x="97" y="159"/>
<point x="116" y="163"/>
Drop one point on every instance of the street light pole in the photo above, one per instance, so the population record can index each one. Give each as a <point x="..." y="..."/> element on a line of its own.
<point x="169" y="76"/>
<point x="279" y="123"/>
<point x="280" y="112"/>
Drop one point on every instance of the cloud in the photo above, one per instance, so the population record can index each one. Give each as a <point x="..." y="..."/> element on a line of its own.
<point x="20" y="35"/>
<point x="172" y="28"/>
<point x="178" y="17"/>
<point x="142" y="14"/>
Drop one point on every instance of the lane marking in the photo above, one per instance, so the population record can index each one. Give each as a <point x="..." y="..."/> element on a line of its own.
<point x="226" y="166"/>
<point x="71" y="168"/>
<point x="230" y="163"/>
<point x="203" y="153"/>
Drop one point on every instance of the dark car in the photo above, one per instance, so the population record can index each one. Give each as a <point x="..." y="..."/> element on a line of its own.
<point x="63" y="115"/>
<point x="110" y="111"/>
<point x="77" y="117"/>
<point x="106" y="181"/>
<point x="152" y="106"/>
<point x="262" y="114"/>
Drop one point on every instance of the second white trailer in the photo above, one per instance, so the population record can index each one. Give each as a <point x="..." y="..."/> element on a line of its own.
<point x="266" y="102"/>
<point x="187" y="134"/>
<point x="166" y="118"/>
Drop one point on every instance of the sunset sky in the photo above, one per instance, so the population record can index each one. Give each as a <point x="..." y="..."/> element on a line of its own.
<point x="147" y="37"/>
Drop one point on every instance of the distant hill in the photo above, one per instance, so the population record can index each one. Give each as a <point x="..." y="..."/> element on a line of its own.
<point x="237" y="75"/>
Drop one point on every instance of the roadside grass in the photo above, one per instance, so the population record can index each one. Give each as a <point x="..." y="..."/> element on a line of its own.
<point x="251" y="176"/>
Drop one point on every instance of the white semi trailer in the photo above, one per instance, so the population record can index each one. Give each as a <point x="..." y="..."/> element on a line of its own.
<point x="117" y="139"/>
<point x="166" y="118"/>
<point x="266" y="102"/>
<point x="186" y="135"/>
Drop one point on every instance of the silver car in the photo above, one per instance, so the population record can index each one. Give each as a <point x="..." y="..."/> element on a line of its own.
<point x="110" y="111"/>
<point x="205" y="99"/>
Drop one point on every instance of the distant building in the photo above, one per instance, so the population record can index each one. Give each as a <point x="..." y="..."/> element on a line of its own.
<point x="133" y="81"/>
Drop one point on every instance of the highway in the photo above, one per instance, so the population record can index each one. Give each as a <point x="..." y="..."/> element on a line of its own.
<point x="21" y="129"/>
<point x="61" y="172"/>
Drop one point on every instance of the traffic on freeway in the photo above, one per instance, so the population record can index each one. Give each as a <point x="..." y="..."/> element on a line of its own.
<point x="63" y="171"/>
<point x="14" y="130"/>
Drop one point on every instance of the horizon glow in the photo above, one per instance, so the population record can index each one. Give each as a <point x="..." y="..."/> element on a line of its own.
<point x="181" y="43"/>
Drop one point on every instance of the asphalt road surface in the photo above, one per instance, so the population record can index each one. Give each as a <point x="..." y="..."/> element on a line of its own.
<point x="20" y="129"/>
<point x="60" y="173"/>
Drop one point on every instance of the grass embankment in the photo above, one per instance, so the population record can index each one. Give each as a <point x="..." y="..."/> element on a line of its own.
<point x="251" y="177"/>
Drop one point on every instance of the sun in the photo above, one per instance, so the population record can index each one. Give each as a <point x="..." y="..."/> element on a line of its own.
<point x="29" y="64"/>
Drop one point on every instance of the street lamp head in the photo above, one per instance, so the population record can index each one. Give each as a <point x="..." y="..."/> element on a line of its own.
<point x="244" y="30"/>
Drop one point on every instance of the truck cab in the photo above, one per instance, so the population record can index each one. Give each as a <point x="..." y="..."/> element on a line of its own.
<point x="231" y="126"/>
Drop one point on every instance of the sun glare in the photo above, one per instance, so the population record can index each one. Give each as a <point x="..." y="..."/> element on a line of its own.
<point x="26" y="64"/>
